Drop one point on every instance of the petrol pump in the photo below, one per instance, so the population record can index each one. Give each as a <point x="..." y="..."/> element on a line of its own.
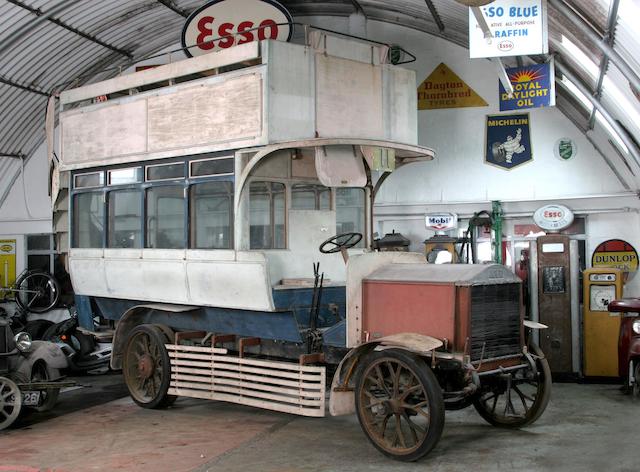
<point x="441" y="247"/>
<point x="601" y="327"/>
<point x="554" y="289"/>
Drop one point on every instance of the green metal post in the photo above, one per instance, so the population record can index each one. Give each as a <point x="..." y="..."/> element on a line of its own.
<point x="497" y="230"/>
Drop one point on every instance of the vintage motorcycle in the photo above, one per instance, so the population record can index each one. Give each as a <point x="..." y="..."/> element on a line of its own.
<point x="629" y="342"/>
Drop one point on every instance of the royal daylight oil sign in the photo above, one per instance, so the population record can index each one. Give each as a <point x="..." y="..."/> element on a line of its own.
<point x="533" y="87"/>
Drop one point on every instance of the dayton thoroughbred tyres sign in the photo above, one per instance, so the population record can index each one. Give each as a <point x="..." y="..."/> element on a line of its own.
<point x="220" y="24"/>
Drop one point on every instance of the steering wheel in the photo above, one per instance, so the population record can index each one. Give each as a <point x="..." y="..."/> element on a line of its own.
<point x="340" y="242"/>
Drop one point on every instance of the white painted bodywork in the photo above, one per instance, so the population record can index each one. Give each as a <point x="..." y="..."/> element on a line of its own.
<point x="226" y="279"/>
<point x="291" y="93"/>
<point x="331" y="97"/>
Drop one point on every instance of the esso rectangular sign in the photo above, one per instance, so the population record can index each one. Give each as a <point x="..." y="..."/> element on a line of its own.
<point x="441" y="221"/>
<point x="221" y="24"/>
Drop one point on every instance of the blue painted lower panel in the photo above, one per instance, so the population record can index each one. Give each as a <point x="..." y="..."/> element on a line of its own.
<point x="298" y="300"/>
<point x="278" y="326"/>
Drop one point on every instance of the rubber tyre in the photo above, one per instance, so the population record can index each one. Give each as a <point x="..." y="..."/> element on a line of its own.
<point x="537" y="408"/>
<point x="55" y="287"/>
<point x="159" y="397"/>
<point x="433" y="393"/>
<point x="40" y="372"/>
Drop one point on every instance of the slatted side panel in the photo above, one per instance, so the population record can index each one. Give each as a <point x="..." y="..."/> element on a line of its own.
<point x="201" y="372"/>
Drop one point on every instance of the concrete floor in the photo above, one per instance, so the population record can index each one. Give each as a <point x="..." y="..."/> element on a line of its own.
<point x="585" y="428"/>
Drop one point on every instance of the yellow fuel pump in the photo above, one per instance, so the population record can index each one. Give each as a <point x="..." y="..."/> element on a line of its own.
<point x="601" y="328"/>
<point x="7" y="262"/>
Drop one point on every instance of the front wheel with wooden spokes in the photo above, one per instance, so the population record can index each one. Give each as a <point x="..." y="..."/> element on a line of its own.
<point x="518" y="398"/>
<point x="146" y="367"/>
<point x="399" y="404"/>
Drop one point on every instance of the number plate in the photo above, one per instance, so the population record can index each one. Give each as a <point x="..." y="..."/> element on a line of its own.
<point x="30" y="398"/>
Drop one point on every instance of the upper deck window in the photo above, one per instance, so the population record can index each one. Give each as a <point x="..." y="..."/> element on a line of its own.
<point x="166" y="217"/>
<point x="267" y="215"/>
<point x="212" y="167"/>
<point x="88" y="220"/>
<point x="93" y="179"/>
<point x="165" y="172"/>
<point x="125" y="176"/>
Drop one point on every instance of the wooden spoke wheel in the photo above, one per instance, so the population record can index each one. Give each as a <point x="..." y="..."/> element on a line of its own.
<point x="399" y="404"/>
<point x="146" y="367"/>
<point x="10" y="402"/>
<point x="516" y="399"/>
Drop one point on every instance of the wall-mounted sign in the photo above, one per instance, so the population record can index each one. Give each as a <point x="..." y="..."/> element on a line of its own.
<point x="615" y="253"/>
<point x="553" y="217"/>
<point x="533" y="87"/>
<point x="441" y="221"/>
<point x="508" y="142"/>
<point x="565" y="149"/>
<point x="7" y="262"/>
<point x="518" y="28"/>
<point x="444" y="89"/>
<point x="235" y="22"/>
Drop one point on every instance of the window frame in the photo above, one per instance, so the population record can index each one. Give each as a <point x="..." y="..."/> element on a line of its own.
<point x="286" y="194"/>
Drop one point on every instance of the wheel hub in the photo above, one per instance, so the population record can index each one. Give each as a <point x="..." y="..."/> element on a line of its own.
<point x="146" y="366"/>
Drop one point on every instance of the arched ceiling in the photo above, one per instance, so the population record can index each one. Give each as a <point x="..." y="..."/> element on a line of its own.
<point x="51" y="45"/>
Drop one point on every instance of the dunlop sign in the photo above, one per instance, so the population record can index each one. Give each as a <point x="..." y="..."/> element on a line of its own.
<point x="518" y="28"/>
<point x="615" y="253"/>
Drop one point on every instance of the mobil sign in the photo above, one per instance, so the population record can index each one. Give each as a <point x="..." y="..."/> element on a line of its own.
<point x="441" y="221"/>
<point x="221" y="24"/>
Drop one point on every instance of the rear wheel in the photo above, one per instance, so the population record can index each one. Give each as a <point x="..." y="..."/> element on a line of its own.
<point x="399" y="405"/>
<point x="146" y="367"/>
<point x="516" y="399"/>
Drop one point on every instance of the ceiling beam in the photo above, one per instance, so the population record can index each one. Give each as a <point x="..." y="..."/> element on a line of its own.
<point x="624" y="137"/>
<point x="172" y="6"/>
<point x="26" y="88"/>
<point x="48" y="17"/>
<point x="436" y="16"/>
<point x="609" y="37"/>
<point x="607" y="50"/>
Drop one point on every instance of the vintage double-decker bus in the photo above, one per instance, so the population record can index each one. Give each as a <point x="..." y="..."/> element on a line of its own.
<point x="203" y="193"/>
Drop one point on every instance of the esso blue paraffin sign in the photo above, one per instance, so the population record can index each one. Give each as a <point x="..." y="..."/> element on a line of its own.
<point x="518" y="28"/>
<point x="221" y="24"/>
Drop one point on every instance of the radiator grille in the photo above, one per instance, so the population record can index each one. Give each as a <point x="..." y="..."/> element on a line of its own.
<point x="4" y="362"/>
<point x="495" y="321"/>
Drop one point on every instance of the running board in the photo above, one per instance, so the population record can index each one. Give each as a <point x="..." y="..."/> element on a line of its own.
<point x="210" y="373"/>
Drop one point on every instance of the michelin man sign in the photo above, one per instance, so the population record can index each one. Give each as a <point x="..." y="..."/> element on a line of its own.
<point x="518" y="28"/>
<point x="508" y="141"/>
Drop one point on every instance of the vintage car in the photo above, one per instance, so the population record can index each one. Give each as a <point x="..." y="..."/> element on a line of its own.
<point x="29" y="374"/>
<point x="201" y="208"/>
<point x="629" y="342"/>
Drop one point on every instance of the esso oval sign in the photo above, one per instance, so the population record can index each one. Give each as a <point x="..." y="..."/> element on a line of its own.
<point x="553" y="217"/>
<point x="221" y="24"/>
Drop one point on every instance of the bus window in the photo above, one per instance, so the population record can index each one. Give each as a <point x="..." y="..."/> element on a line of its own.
<point x="125" y="215"/>
<point x="88" y="220"/>
<point x="166" y="217"/>
<point x="267" y="215"/>
<point x="350" y="211"/>
<point x="310" y="197"/>
<point x="212" y="215"/>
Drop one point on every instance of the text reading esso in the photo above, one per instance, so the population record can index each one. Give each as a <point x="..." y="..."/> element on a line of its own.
<point x="221" y="24"/>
